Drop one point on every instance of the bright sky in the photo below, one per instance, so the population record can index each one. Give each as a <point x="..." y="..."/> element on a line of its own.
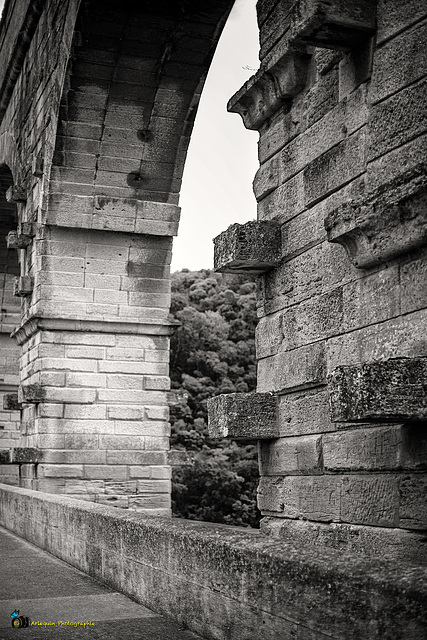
<point x="222" y="157"/>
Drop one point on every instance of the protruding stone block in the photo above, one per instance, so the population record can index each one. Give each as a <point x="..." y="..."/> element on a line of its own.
<point x="17" y="240"/>
<point x="391" y="221"/>
<point x="244" y="416"/>
<point x="180" y="458"/>
<point x="254" y="247"/>
<point x="16" y="194"/>
<point x="278" y="81"/>
<point x="20" y="455"/>
<point x="31" y="393"/>
<point x="23" y="286"/>
<point x="335" y="24"/>
<point x="388" y="391"/>
<point x="10" y="402"/>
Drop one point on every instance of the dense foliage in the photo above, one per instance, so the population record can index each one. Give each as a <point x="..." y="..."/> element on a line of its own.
<point x="212" y="352"/>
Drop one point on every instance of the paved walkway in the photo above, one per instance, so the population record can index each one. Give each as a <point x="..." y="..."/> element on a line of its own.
<point x="46" y="589"/>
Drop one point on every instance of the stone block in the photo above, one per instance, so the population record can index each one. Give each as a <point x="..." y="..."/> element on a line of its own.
<point x="23" y="286"/>
<point x="305" y="412"/>
<point x="178" y="458"/>
<point x="375" y="449"/>
<point x="25" y="455"/>
<point x="408" y="50"/>
<point x="372" y="500"/>
<point x="390" y="221"/>
<point x="413" y="278"/>
<point x="11" y="402"/>
<point x="311" y="497"/>
<point x="364" y="540"/>
<point x="291" y="456"/>
<point x="339" y="165"/>
<point x="401" y="337"/>
<point x="254" y="247"/>
<point x="394" y="16"/>
<point x="300" y="368"/>
<point x="60" y="471"/>
<point x="333" y="25"/>
<point x="31" y="393"/>
<point x="397" y="119"/>
<point x="16" y="193"/>
<point x="413" y="502"/>
<point x="247" y="416"/>
<point x="279" y="79"/>
<point x="15" y="240"/>
<point x="390" y="390"/>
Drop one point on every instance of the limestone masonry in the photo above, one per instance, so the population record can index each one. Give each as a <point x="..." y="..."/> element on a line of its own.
<point x="97" y="102"/>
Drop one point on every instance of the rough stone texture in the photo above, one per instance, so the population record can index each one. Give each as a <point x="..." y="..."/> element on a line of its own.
<point x="377" y="542"/>
<point x="243" y="416"/>
<point x="223" y="582"/>
<point x="254" y="247"/>
<point x="333" y="25"/>
<point x="391" y="390"/>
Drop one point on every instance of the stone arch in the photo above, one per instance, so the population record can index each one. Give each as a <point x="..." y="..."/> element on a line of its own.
<point x="96" y="327"/>
<point x="9" y="319"/>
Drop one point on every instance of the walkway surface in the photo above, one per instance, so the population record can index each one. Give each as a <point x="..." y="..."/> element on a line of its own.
<point x="46" y="589"/>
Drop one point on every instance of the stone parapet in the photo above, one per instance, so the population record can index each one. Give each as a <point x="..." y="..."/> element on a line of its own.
<point x="254" y="247"/>
<point x="244" y="416"/>
<point x="234" y="582"/>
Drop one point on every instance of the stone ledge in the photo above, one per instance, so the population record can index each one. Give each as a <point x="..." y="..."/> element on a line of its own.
<point x="254" y="247"/>
<point x="20" y="455"/>
<point x="34" y="324"/>
<point x="388" y="222"/>
<point x="244" y="416"/>
<point x="275" y="84"/>
<point x="222" y="581"/>
<point x="333" y="24"/>
<point x="389" y="391"/>
<point x="15" y="240"/>
<point x="23" y="286"/>
<point x="11" y="403"/>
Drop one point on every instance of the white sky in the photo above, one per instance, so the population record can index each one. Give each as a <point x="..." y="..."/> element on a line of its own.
<point x="222" y="157"/>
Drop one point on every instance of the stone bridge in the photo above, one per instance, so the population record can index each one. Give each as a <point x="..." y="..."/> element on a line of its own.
<point x="97" y="103"/>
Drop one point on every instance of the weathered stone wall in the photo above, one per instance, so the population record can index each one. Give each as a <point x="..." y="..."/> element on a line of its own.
<point x="339" y="102"/>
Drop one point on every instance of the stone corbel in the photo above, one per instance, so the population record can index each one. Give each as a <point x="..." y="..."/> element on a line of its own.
<point x="254" y="247"/>
<point x="244" y="416"/>
<point x="16" y="194"/>
<point x="23" y="286"/>
<point x="385" y="391"/>
<point x="20" y="455"/>
<point x="10" y="402"/>
<point x="333" y="24"/>
<point x="31" y="394"/>
<point x="275" y="84"/>
<point x="387" y="223"/>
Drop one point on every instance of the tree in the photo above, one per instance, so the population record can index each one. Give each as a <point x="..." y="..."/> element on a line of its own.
<point x="212" y="352"/>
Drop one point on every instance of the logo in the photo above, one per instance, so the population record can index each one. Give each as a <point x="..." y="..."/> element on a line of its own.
<point x="19" y="621"/>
